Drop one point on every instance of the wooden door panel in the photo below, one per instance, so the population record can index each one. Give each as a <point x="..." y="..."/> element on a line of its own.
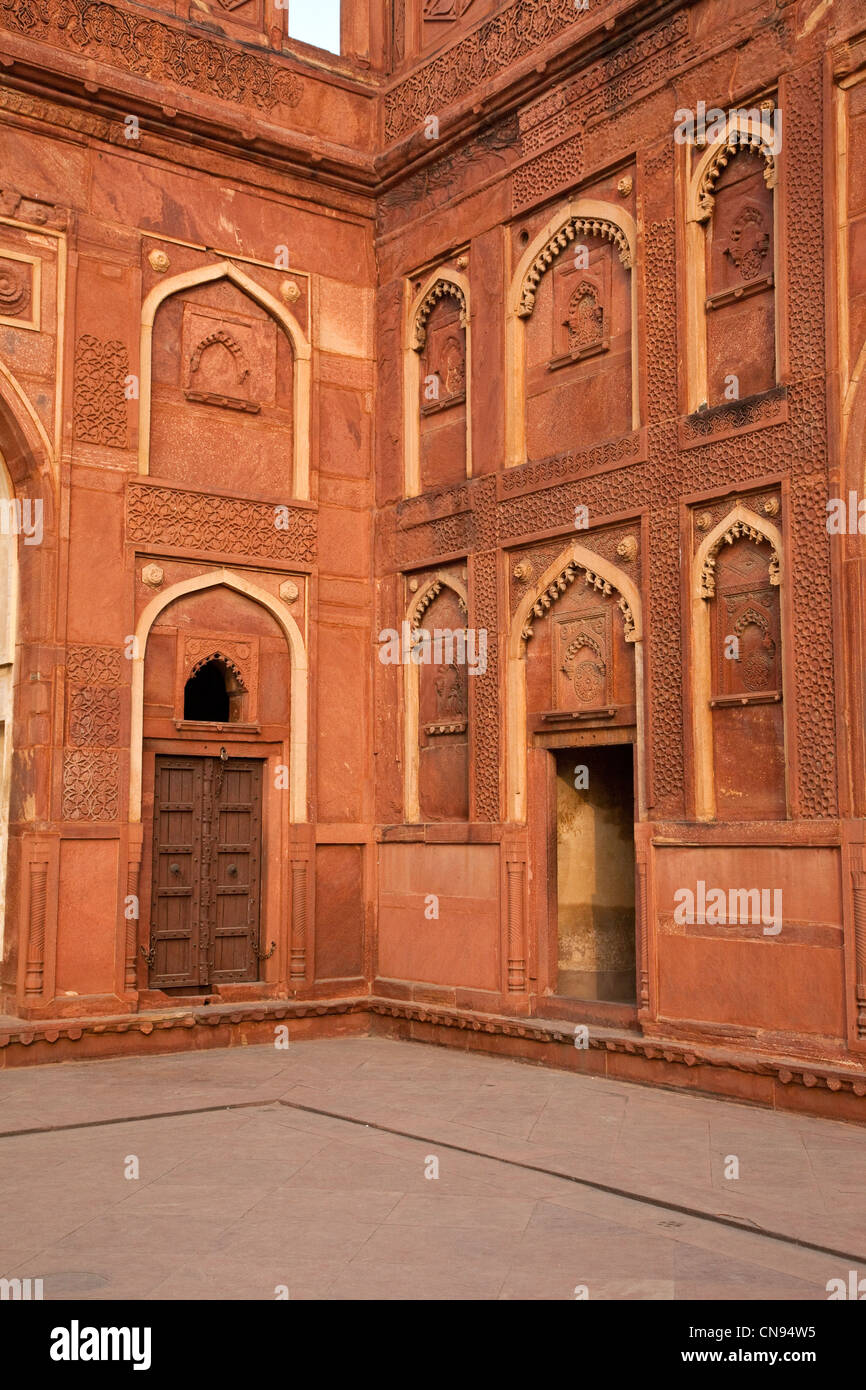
<point x="237" y="855"/>
<point x="206" y="871"/>
<point x="175" y="917"/>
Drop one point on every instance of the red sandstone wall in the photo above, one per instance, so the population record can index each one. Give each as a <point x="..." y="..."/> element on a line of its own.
<point x="327" y="192"/>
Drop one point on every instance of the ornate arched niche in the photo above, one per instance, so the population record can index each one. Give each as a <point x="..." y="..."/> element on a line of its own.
<point x="733" y="268"/>
<point x="224" y="630"/>
<point x="739" y="728"/>
<point x="437" y="384"/>
<point x="437" y="685"/>
<point x="224" y="386"/>
<point x="574" y="660"/>
<point x="571" y="334"/>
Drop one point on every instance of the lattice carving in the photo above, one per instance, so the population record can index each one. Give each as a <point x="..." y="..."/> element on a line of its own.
<point x="227" y="525"/>
<point x="150" y="49"/>
<point x="485" y="689"/>
<point x="95" y="665"/>
<point x="571" y="230"/>
<point x="101" y="369"/>
<point x="90" y="785"/>
<point x="94" y="716"/>
<point x="661" y="314"/>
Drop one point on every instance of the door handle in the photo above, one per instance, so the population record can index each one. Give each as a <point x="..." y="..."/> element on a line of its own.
<point x="174" y="868"/>
<point x="233" y="868"/>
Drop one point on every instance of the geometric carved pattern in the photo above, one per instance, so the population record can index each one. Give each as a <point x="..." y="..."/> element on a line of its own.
<point x="90" y="785"/>
<point x="200" y="521"/>
<point x="101" y="369"/>
<point x="814" y="650"/>
<point x="661" y="313"/>
<point x="94" y="665"/>
<point x="94" y="716"/>
<point x="153" y="50"/>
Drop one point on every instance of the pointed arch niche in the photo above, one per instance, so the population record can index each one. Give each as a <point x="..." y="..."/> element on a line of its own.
<point x="296" y="752"/>
<point x="580" y="320"/>
<point x="421" y="616"/>
<point x="733" y="265"/>
<point x="576" y="563"/>
<point x="437" y="383"/>
<point x="219" y="361"/>
<point x="737" y="710"/>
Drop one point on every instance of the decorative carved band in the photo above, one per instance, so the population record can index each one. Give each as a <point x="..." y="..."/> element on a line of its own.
<point x="585" y="226"/>
<point x="436" y="292"/>
<point x="299" y="920"/>
<point x="641" y="906"/>
<point x="567" y="577"/>
<point x="133" y="867"/>
<point x="227" y="525"/>
<point x="516" y="958"/>
<point x="151" y="49"/>
<point x="488" y="50"/>
<point x="36" y="942"/>
<point x="735" y="531"/>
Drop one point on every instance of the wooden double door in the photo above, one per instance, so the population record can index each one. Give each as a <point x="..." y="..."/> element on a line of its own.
<point x="207" y="850"/>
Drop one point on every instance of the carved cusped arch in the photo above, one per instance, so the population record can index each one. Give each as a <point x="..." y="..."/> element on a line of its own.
<point x="227" y="661"/>
<point x="570" y="231"/>
<point x="442" y="287"/>
<point x="574" y="561"/>
<point x="739" y="524"/>
<point x="741" y="135"/>
<point x="580" y="217"/>
<point x="444" y="283"/>
<point x="415" y="610"/>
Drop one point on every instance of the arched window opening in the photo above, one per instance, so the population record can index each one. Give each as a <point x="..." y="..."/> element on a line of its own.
<point x="214" y="694"/>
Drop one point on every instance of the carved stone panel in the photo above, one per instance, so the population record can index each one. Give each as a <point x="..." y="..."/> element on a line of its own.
<point x="94" y="716"/>
<point x="100" y="411"/>
<point x="582" y="661"/>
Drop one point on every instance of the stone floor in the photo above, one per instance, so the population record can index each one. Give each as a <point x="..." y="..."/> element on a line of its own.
<point x="308" y="1168"/>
